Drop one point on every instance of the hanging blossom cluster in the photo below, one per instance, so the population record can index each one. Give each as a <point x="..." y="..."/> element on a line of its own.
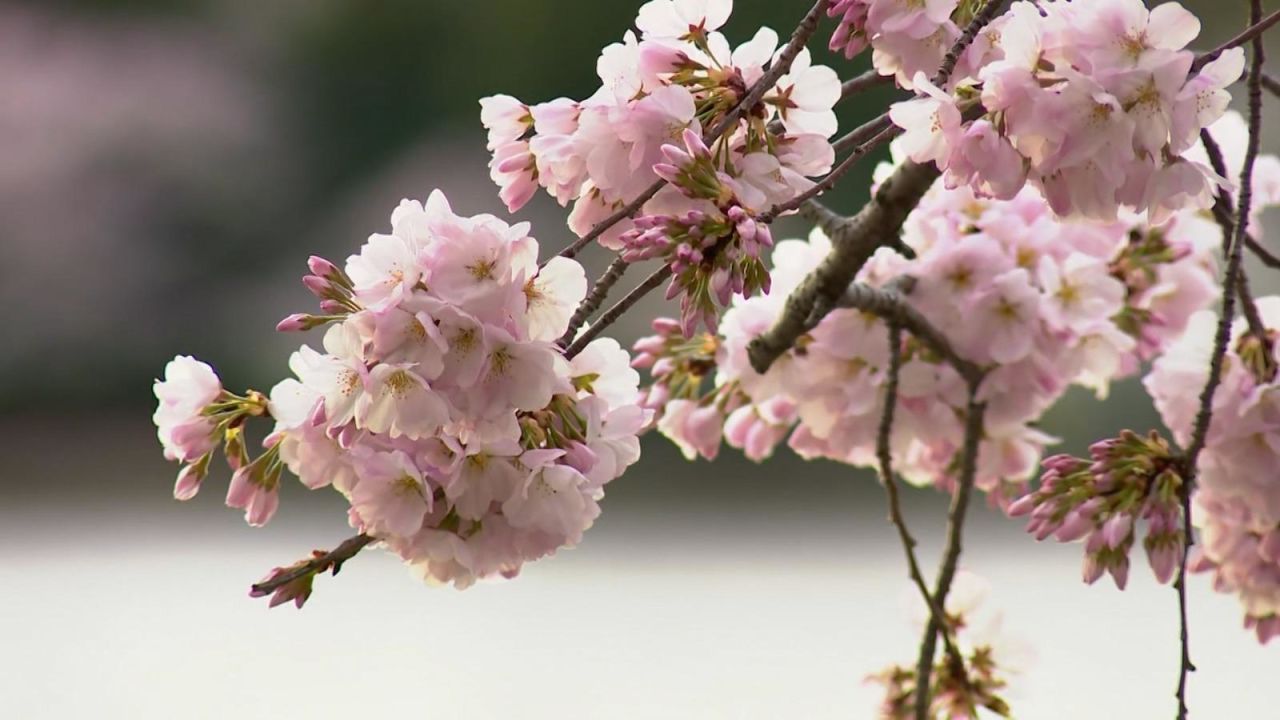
<point x="1095" y="104"/>
<point x="440" y="407"/>
<point x="1237" y="497"/>
<point x="1044" y="303"/>
<point x="910" y="38"/>
<point x="990" y="655"/>
<point x="670" y="86"/>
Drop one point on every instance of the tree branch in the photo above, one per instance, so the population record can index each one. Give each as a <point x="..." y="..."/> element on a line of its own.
<point x="619" y="308"/>
<point x="976" y="411"/>
<point x="888" y="303"/>
<point x="1255" y="30"/>
<point x="320" y="562"/>
<point x="884" y="455"/>
<point x="599" y="292"/>
<point x="781" y="64"/>
<point x="1204" y="416"/>
<point x="875" y="225"/>
<point x="1270" y="83"/>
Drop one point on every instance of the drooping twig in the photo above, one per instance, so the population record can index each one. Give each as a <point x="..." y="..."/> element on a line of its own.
<point x="612" y="314"/>
<point x="598" y="293"/>
<point x="317" y="564"/>
<point x="884" y="456"/>
<point x="1254" y="30"/>
<point x="781" y="64"/>
<point x="976" y="412"/>
<point x="1224" y="213"/>
<point x="877" y="222"/>
<point x="1204" y="416"/>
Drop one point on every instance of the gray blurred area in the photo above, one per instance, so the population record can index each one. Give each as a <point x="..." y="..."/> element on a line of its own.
<point x="165" y="169"/>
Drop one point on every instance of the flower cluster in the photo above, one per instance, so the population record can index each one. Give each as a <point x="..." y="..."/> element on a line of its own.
<point x="906" y="37"/>
<point x="1043" y="303"/>
<point x="440" y="407"/>
<point x="1237" y="499"/>
<point x="679" y="74"/>
<point x="989" y="655"/>
<point x="1126" y="479"/>
<point x="1093" y="103"/>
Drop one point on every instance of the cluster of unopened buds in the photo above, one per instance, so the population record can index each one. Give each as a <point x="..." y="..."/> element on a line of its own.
<point x="1126" y="480"/>
<point x="714" y="250"/>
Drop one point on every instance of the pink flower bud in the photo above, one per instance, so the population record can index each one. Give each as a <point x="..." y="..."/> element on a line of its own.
<point x="318" y="286"/>
<point x="1116" y="529"/>
<point x="1022" y="505"/>
<point x="703" y="429"/>
<point x="189" y="479"/>
<point x="294" y="323"/>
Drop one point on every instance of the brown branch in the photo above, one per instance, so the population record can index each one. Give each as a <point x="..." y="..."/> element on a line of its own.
<point x="619" y="308"/>
<point x="1224" y="213"/>
<point x="1270" y="83"/>
<point x="876" y="224"/>
<point x="861" y="83"/>
<point x="320" y="562"/>
<point x="884" y="455"/>
<point x="951" y="553"/>
<point x="1252" y="32"/>
<point x="1204" y="416"/>
<point x="864" y="133"/>
<point x="979" y="21"/>
<point x="599" y="292"/>
<point x="888" y="303"/>
<point x="781" y="64"/>
<point x="832" y="177"/>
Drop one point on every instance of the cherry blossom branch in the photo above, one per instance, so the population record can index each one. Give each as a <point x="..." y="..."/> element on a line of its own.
<point x="1204" y="416"/>
<point x="1224" y="213"/>
<point x="981" y="19"/>
<point x="619" y="308"/>
<point x="889" y="303"/>
<point x="320" y="562"/>
<point x="862" y="83"/>
<point x="599" y="292"/>
<point x="975" y="414"/>
<point x="1255" y="30"/>
<point x="864" y="133"/>
<point x="799" y="38"/>
<point x="852" y="245"/>
<point x="884" y="456"/>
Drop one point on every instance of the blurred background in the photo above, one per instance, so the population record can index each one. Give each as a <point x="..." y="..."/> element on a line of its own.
<point x="165" y="169"/>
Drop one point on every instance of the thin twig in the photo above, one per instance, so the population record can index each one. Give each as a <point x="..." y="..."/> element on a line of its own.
<point x="317" y="564"/>
<point x="980" y="20"/>
<point x="863" y="82"/>
<point x="781" y="64"/>
<point x="976" y="411"/>
<point x="1204" y="416"/>
<point x="863" y="133"/>
<point x="612" y="314"/>
<point x="1224" y="213"/>
<point x="884" y="455"/>
<point x="1270" y="83"/>
<point x="876" y="224"/>
<point x="1254" y="30"/>
<point x="599" y="292"/>
<point x="831" y="178"/>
